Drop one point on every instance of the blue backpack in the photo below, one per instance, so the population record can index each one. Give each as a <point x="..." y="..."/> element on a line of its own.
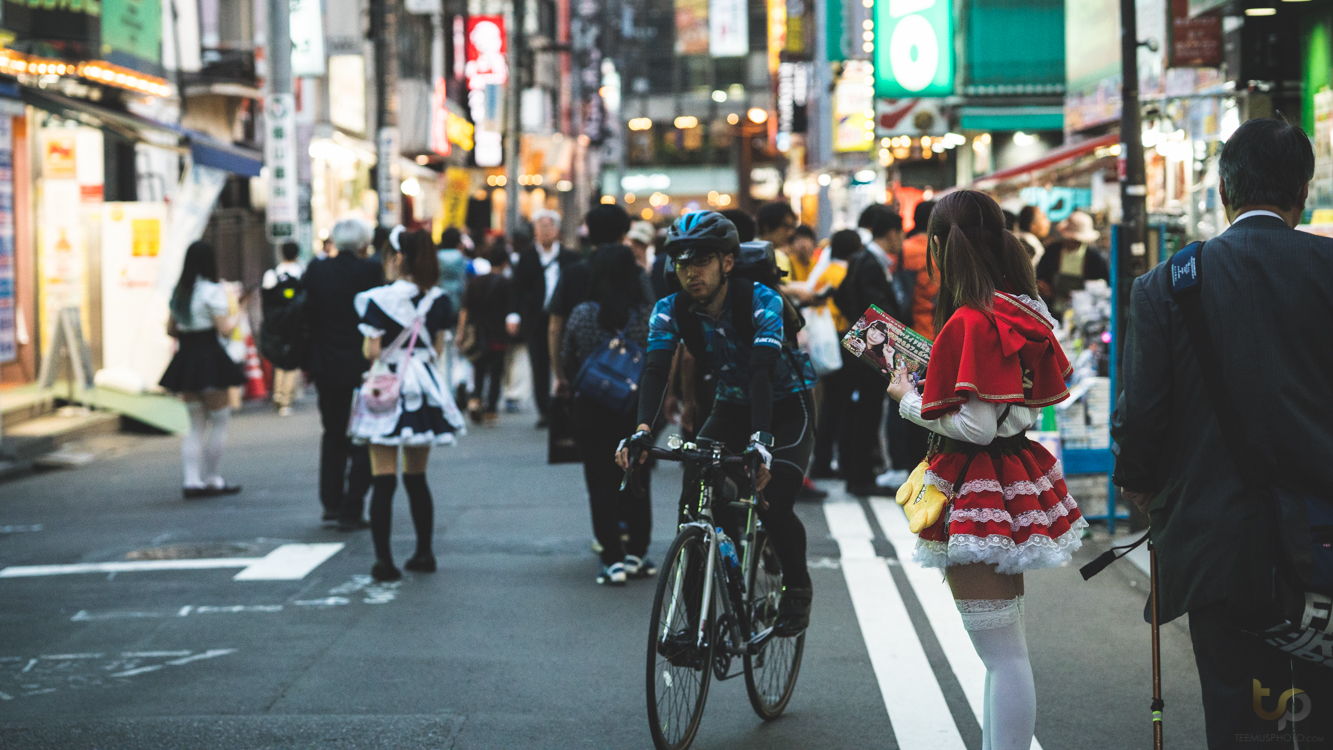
<point x="610" y="376"/>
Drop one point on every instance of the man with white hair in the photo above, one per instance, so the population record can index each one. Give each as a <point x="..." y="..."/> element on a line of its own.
<point x="535" y="277"/>
<point x="336" y="366"/>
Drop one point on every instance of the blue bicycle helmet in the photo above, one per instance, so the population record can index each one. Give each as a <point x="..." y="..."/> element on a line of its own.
<point x="701" y="232"/>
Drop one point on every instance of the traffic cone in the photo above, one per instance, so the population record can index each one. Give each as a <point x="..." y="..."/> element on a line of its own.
<point x="254" y="371"/>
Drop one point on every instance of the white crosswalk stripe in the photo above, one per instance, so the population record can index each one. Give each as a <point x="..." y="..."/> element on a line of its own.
<point x="907" y="683"/>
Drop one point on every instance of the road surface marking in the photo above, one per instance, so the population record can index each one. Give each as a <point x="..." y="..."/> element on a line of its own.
<point x="289" y="562"/>
<point x="937" y="601"/>
<point x="907" y="683"/>
<point x="20" y="529"/>
<point x="210" y="654"/>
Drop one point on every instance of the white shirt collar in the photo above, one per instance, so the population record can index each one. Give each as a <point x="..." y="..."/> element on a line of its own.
<point x="1248" y="214"/>
<point x="547" y="255"/>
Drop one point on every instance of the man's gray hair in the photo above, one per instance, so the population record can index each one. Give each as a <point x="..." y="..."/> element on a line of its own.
<point x="546" y="213"/>
<point x="351" y="234"/>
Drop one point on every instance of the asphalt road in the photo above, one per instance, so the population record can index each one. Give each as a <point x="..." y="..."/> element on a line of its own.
<point x="511" y="644"/>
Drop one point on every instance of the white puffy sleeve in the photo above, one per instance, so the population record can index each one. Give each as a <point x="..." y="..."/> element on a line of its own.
<point x="977" y="422"/>
<point x="215" y="300"/>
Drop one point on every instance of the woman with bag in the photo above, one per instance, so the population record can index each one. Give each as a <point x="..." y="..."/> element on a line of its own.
<point x="201" y="372"/>
<point x="988" y="504"/>
<point x="618" y="310"/>
<point x="404" y="402"/>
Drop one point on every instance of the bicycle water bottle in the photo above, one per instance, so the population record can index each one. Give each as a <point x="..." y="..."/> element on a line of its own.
<point x="733" y="564"/>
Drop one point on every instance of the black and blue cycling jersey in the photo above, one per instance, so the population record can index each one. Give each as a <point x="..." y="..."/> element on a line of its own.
<point x="727" y="355"/>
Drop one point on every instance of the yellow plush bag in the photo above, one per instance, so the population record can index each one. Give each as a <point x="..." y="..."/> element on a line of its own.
<point x="921" y="501"/>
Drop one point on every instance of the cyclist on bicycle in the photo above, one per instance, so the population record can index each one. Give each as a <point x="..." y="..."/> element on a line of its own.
<point x="764" y="402"/>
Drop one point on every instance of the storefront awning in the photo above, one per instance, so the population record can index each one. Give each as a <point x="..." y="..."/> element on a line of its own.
<point x="1011" y="118"/>
<point x="127" y="124"/>
<point x="1050" y="159"/>
<point x="225" y="156"/>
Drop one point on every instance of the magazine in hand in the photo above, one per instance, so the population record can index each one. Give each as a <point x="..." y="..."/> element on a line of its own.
<point x="886" y="345"/>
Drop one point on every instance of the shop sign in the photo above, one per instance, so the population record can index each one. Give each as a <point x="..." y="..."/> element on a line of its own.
<point x="909" y="117"/>
<point x="853" y="110"/>
<point x="307" y="39"/>
<point x="387" y="171"/>
<point x="453" y="201"/>
<point x="280" y="159"/>
<point x="1092" y="63"/>
<point x="793" y="91"/>
<point x="1195" y="42"/>
<point x="486" y="48"/>
<point x="447" y="129"/>
<point x="460" y="47"/>
<point x="347" y="92"/>
<point x="133" y="28"/>
<point x="693" y="33"/>
<point x="777" y="33"/>
<point x="133" y="316"/>
<point x="69" y="30"/>
<point x="728" y="28"/>
<point x="8" y="305"/>
<point x="1057" y="202"/>
<point x="913" y="48"/>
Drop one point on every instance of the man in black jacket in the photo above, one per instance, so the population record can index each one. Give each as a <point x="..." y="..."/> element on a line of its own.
<point x="1264" y="296"/>
<point x="535" y="277"/>
<point x="337" y="365"/>
<point x="869" y="281"/>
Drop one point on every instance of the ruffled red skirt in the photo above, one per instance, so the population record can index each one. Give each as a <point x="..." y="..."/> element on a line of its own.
<point x="1012" y="511"/>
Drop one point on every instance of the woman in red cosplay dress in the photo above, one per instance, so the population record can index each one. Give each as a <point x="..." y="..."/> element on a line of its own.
<point x="994" y="365"/>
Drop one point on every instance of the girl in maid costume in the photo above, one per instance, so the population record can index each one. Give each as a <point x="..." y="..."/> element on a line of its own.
<point x="425" y="414"/>
<point x="1002" y="506"/>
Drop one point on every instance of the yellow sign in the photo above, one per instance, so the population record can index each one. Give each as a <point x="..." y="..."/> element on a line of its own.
<point x="453" y="201"/>
<point x="459" y="131"/>
<point x="60" y="163"/>
<point x="145" y="237"/>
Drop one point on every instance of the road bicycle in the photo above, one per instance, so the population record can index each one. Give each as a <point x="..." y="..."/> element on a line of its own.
<point x="715" y="602"/>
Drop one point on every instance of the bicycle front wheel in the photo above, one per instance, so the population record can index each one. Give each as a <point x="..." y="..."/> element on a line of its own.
<point x="770" y="674"/>
<point x="679" y="668"/>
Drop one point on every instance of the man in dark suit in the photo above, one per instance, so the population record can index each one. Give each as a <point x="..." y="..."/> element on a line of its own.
<point x="535" y="277"/>
<point x="337" y="366"/>
<point x="868" y="282"/>
<point x="1266" y="303"/>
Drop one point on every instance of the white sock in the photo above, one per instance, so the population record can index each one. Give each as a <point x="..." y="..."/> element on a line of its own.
<point x="217" y="440"/>
<point x="1010" y="714"/>
<point x="192" y="446"/>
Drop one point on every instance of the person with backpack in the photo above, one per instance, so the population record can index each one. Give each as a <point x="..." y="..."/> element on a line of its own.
<point x="482" y="333"/>
<point x="730" y="316"/>
<point x="615" y="318"/>
<point x="283" y="339"/>
<point x="1231" y="461"/>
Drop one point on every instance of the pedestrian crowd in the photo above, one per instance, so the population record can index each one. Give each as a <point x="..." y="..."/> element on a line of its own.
<point x="728" y="327"/>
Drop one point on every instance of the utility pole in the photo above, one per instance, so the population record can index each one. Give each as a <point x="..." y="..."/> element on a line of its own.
<point x="516" y="43"/>
<point x="280" y="141"/>
<point x="384" y="35"/>
<point x="1133" y="188"/>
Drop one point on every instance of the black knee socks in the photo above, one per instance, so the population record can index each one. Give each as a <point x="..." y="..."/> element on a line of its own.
<point x="381" y="514"/>
<point x="423" y="510"/>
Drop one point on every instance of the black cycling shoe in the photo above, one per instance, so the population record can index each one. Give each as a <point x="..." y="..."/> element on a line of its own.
<point x="383" y="570"/>
<point x="422" y="562"/>
<point x="793" y="612"/>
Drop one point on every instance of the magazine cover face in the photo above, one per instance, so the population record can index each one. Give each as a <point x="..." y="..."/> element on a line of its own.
<point x="886" y="345"/>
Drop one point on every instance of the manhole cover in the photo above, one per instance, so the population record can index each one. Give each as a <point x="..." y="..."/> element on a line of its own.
<point x="195" y="551"/>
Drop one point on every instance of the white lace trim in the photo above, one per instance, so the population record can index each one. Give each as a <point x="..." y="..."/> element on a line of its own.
<point x="1023" y="487"/>
<point x="1026" y="518"/>
<point x="988" y="614"/>
<point x="1008" y="557"/>
<point x="1037" y="306"/>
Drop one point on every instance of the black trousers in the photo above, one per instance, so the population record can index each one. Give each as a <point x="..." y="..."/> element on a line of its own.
<point x="834" y="409"/>
<point x="598" y="431"/>
<point x="1231" y="663"/>
<point x="489" y="369"/>
<point x="341" y="491"/>
<point x="794" y="439"/>
<point x="907" y="440"/>
<point x="860" y="443"/>
<point x="539" y="353"/>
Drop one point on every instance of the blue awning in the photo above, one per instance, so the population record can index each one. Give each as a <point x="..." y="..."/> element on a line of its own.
<point x="225" y="156"/>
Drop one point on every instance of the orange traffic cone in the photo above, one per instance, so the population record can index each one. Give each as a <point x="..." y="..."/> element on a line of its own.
<point x="255" y="387"/>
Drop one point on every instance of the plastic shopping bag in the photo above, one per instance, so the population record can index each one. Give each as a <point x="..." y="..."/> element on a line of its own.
<point x="819" y="339"/>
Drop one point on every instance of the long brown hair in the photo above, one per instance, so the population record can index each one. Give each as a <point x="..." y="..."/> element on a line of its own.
<point x="974" y="255"/>
<point x="419" y="258"/>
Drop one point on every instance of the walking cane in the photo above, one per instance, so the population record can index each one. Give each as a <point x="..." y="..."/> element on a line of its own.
<point x="1097" y="566"/>
<point x="1156" y="655"/>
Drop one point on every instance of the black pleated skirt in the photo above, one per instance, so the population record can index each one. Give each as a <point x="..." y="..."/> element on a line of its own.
<point x="200" y="364"/>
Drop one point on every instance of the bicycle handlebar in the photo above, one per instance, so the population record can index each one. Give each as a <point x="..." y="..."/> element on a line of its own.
<point x="637" y="451"/>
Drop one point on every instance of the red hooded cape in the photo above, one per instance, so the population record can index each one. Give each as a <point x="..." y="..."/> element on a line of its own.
<point x="1007" y="355"/>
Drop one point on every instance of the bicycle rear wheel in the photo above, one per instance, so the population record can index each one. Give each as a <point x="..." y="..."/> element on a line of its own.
<point x="679" y="669"/>
<point x="770" y="675"/>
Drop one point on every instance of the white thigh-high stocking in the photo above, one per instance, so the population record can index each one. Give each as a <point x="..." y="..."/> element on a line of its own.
<point x="192" y="447"/>
<point x="1010" y="714"/>
<point x="217" y="440"/>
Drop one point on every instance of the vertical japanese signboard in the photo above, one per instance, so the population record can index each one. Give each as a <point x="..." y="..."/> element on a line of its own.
<point x="913" y="48"/>
<point x="487" y="73"/>
<point x="307" y="39"/>
<point x="280" y="159"/>
<point x="1195" y="42"/>
<point x="8" y="328"/>
<point x="728" y="28"/>
<point x="692" y="28"/>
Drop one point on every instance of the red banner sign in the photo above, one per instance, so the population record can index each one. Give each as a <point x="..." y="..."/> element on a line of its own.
<point x="486" y="48"/>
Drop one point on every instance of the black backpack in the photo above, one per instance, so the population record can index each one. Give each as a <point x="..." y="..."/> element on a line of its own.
<point x="756" y="263"/>
<point x="284" y="338"/>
